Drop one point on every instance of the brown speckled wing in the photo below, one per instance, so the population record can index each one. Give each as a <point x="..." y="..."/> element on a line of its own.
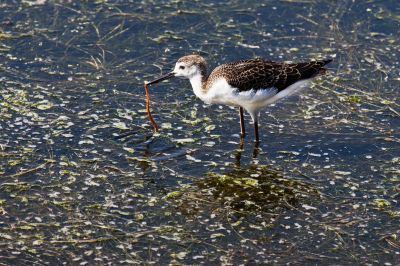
<point x="262" y="74"/>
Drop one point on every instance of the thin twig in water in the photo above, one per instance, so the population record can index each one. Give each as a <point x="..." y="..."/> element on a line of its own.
<point x="22" y="173"/>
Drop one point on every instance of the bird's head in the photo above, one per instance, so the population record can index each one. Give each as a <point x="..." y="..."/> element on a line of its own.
<point x="187" y="67"/>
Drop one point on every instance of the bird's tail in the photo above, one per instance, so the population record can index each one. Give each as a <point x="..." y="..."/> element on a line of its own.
<point x="327" y="61"/>
<point x="322" y="70"/>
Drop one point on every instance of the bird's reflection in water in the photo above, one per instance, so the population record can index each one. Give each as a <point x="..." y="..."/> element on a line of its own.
<point x="238" y="153"/>
<point x="243" y="189"/>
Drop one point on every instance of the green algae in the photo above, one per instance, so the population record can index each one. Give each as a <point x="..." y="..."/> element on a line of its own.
<point x="83" y="180"/>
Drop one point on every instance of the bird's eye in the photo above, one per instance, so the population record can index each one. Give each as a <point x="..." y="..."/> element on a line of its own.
<point x="182" y="67"/>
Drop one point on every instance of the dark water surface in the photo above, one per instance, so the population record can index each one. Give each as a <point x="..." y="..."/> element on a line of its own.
<point x="83" y="181"/>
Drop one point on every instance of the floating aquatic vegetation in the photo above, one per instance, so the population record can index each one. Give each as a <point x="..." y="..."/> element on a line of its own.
<point x="83" y="180"/>
<point x="249" y="191"/>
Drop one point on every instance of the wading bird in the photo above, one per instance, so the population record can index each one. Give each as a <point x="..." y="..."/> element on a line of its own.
<point x="249" y="84"/>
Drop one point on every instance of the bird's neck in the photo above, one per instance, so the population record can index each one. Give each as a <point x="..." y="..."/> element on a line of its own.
<point x="198" y="82"/>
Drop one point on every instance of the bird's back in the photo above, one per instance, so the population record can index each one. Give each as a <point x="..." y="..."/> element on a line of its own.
<point x="255" y="74"/>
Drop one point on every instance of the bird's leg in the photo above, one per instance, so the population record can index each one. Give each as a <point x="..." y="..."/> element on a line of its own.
<point x="242" y="129"/>
<point x="256" y="150"/>
<point x="254" y="115"/>
<point x="238" y="154"/>
<point x="256" y="130"/>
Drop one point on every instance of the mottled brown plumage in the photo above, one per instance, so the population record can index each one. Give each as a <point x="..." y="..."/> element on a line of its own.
<point x="255" y="74"/>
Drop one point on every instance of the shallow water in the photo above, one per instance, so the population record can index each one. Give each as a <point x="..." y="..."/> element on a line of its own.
<point x="83" y="180"/>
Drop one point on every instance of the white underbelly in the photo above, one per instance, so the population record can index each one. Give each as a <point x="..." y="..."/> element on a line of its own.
<point x="222" y="93"/>
<point x="246" y="98"/>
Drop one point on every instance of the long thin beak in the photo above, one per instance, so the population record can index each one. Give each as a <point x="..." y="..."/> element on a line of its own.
<point x="167" y="76"/>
